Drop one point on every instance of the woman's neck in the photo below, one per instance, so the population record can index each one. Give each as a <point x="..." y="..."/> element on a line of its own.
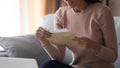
<point x="80" y="7"/>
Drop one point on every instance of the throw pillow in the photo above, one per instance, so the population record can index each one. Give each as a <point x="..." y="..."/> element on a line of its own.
<point x="24" y="46"/>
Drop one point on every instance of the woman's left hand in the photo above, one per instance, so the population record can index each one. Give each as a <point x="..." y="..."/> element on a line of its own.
<point x="88" y="43"/>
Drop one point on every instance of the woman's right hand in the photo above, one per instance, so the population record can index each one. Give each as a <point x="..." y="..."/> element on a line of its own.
<point x="42" y="36"/>
<point x="41" y="33"/>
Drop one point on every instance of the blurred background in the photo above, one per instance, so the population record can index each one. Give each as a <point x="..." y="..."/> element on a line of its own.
<point x="21" y="17"/>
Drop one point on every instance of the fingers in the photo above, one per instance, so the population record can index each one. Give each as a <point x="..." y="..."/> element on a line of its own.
<point x="42" y="33"/>
<point x="82" y="42"/>
<point x="38" y="33"/>
<point x="88" y="43"/>
<point x="44" y="30"/>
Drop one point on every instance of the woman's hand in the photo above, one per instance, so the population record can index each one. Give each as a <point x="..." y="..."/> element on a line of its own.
<point x="88" y="43"/>
<point x="42" y="33"/>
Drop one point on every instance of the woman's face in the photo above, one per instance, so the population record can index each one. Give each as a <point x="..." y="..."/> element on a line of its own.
<point x="73" y="3"/>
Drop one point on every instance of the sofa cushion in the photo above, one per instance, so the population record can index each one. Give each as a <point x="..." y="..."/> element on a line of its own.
<point x="117" y="26"/>
<point x="26" y="46"/>
<point x="117" y="62"/>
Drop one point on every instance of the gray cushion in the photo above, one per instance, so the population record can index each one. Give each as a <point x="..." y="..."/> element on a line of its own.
<point x="24" y="46"/>
<point x="117" y="63"/>
<point x="117" y="26"/>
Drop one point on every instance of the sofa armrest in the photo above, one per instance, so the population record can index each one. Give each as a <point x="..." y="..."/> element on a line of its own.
<point x="3" y="54"/>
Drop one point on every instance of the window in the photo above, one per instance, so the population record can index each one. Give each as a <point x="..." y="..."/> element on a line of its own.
<point x="21" y="17"/>
<point x="9" y="17"/>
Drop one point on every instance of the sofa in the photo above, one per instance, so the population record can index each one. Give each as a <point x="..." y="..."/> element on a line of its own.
<point x="9" y="62"/>
<point x="28" y="46"/>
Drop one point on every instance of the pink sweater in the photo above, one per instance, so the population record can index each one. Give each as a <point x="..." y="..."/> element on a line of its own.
<point x="95" y="22"/>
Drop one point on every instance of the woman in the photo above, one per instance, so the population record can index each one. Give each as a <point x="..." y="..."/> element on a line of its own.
<point x="95" y="45"/>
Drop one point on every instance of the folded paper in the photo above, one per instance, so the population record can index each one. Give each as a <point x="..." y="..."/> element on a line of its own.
<point x="61" y="38"/>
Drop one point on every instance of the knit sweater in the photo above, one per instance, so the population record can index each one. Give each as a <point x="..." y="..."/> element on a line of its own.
<point x="96" y="23"/>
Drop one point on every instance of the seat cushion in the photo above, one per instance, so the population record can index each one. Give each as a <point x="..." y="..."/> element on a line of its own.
<point x="26" y="46"/>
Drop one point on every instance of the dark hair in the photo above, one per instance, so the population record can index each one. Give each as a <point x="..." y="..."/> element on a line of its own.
<point x="92" y="1"/>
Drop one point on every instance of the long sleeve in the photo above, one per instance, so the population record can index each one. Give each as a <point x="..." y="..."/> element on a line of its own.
<point x="95" y="23"/>
<point x="59" y="19"/>
<point x="54" y="51"/>
<point x="109" y="51"/>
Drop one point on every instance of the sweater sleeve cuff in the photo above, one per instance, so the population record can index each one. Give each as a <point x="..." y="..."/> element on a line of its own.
<point x="106" y="54"/>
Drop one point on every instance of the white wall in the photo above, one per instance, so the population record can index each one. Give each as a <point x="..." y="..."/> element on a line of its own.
<point x="115" y="6"/>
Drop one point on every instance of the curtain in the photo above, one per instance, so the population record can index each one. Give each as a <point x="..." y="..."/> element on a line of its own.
<point x="49" y="6"/>
<point x="32" y="12"/>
